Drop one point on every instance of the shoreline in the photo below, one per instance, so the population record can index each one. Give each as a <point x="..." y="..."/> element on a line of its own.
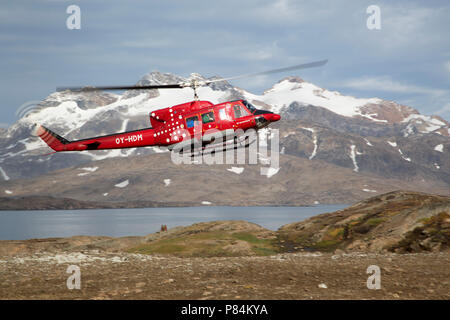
<point x="38" y="203"/>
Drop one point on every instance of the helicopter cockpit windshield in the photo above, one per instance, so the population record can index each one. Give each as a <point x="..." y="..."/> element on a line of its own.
<point x="249" y="106"/>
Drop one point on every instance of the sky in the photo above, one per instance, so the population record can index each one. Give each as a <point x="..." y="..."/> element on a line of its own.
<point x="407" y="60"/>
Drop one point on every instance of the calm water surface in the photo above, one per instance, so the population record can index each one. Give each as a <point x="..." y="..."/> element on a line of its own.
<point x="20" y="225"/>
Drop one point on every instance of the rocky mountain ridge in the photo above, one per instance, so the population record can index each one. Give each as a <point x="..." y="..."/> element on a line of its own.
<point x="367" y="137"/>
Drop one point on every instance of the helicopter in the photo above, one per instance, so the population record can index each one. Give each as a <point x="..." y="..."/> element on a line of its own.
<point x="194" y="122"/>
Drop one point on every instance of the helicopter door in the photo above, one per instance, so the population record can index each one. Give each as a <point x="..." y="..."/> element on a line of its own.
<point x="191" y="122"/>
<point x="225" y="121"/>
<point x="208" y="120"/>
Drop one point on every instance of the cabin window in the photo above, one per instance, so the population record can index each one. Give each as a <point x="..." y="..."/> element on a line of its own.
<point x="208" y="117"/>
<point x="190" y="122"/>
<point x="239" y="111"/>
<point x="223" y="114"/>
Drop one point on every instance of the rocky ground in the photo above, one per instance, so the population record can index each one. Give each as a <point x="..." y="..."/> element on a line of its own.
<point x="397" y="221"/>
<point x="283" y="276"/>
<point x="405" y="234"/>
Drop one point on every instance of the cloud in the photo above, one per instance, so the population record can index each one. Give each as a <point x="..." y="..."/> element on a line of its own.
<point x="118" y="43"/>
<point x="386" y="84"/>
<point x="427" y="100"/>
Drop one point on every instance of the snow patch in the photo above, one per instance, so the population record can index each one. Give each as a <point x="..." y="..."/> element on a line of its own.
<point x="167" y="182"/>
<point x="122" y="184"/>
<point x="353" y="157"/>
<point x="313" y="154"/>
<point x="369" y="190"/>
<point x="105" y="194"/>
<point x="4" y="175"/>
<point x="8" y="192"/>
<point x="83" y="174"/>
<point x="403" y="156"/>
<point x="269" y="172"/>
<point x="88" y="169"/>
<point x="237" y="170"/>
<point x="124" y="125"/>
<point x="439" y="147"/>
<point x="370" y="117"/>
<point x="206" y="203"/>
<point x="392" y="144"/>
<point x="431" y="124"/>
<point x="285" y="92"/>
<point x="368" y="142"/>
<point x="422" y="117"/>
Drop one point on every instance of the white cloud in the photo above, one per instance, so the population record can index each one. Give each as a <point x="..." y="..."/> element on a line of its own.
<point x="424" y="98"/>
<point x="386" y="84"/>
<point x="118" y="43"/>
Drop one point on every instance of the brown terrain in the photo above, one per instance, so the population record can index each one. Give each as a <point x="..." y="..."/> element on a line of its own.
<point x="299" y="181"/>
<point x="405" y="234"/>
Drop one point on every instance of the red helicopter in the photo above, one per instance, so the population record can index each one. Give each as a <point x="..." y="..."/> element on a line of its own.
<point x="172" y="125"/>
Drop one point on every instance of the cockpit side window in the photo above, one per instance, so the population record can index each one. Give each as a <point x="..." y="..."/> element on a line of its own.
<point x="249" y="106"/>
<point x="239" y="111"/>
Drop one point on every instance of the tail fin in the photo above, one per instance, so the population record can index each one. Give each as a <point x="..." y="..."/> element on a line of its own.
<point x="54" y="141"/>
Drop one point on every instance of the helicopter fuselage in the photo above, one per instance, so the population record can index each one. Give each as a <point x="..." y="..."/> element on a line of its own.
<point x="170" y="126"/>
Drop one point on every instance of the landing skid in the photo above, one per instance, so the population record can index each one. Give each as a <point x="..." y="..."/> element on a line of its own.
<point x="221" y="147"/>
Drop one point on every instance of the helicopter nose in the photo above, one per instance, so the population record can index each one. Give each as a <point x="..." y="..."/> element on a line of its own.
<point x="275" y="117"/>
<point x="272" y="117"/>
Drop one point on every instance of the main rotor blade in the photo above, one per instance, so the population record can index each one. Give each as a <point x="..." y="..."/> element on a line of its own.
<point x="88" y="89"/>
<point x="192" y="83"/>
<point x="296" y="67"/>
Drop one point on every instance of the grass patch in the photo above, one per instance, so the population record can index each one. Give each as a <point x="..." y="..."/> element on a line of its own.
<point x="375" y="221"/>
<point x="439" y="218"/>
<point x="262" y="251"/>
<point x="326" y="245"/>
<point x="250" y="238"/>
<point x="334" y="234"/>
<point x="207" y="244"/>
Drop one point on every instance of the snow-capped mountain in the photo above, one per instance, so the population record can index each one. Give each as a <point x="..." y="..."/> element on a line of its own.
<point x="334" y="121"/>
<point x="294" y="89"/>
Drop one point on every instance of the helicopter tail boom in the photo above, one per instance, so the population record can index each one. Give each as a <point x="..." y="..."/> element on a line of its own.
<point x="130" y="139"/>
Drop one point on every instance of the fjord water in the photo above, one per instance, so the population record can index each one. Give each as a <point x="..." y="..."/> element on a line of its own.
<point x="21" y="225"/>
